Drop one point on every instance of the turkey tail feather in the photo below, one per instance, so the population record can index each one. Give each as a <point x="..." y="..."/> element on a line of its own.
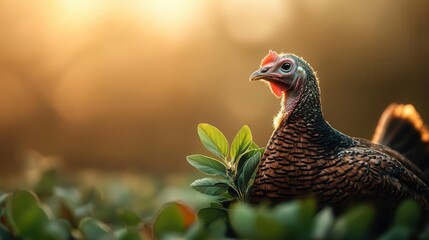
<point x="402" y="129"/>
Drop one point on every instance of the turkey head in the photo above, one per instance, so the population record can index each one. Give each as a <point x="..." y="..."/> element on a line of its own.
<point x="291" y="78"/>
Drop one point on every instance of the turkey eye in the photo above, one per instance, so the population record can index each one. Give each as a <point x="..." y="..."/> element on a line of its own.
<point x="286" y="67"/>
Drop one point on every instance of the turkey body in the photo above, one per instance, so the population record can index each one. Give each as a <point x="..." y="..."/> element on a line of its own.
<point x="305" y="156"/>
<point x="310" y="158"/>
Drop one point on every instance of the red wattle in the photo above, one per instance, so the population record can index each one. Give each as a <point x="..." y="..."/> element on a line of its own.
<point x="277" y="89"/>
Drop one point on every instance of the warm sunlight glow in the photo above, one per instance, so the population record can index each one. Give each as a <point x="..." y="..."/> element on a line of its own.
<point x="255" y="21"/>
<point x="172" y="18"/>
<point x="79" y="12"/>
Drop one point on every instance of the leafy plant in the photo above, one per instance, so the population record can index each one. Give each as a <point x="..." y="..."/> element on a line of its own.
<point x="173" y="219"/>
<point x="232" y="169"/>
<point x="232" y="173"/>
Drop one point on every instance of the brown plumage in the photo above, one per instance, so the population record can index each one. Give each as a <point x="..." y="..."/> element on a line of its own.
<point x="307" y="157"/>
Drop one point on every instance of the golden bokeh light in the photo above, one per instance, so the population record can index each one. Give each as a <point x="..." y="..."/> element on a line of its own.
<point x="173" y="19"/>
<point x="256" y="21"/>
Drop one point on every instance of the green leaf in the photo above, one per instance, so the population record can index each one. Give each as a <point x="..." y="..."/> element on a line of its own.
<point x="253" y="145"/>
<point x="248" y="171"/>
<point x="407" y="218"/>
<point x="58" y="229"/>
<point x="244" y="158"/>
<point x="255" y="223"/>
<point x="296" y="217"/>
<point x="127" y="234"/>
<point x="95" y="229"/>
<point x="173" y="218"/>
<point x="199" y="230"/>
<point x="397" y="232"/>
<point x="210" y="186"/>
<point x="215" y="205"/>
<point x="210" y="214"/>
<point x="250" y="167"/>
<point x="207" y="165"/>
<point x="354" y="224"/>
<point x="71" y="196"/>
<point x="268" y="227"/>
<point x="323" y="223"/>
<point x="408" y="215"/>
<point x="243" y="220"/>
<point x="241" y="142"/>
<point x="26" y="214"/>
<point x="213" y="140"/>
<point x="226" y="197"/>
<point x="128" y="217"/>
<point x="47" y="183"/>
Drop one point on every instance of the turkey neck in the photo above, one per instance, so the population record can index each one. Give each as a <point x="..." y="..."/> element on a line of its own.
<point x="303" y="128"/>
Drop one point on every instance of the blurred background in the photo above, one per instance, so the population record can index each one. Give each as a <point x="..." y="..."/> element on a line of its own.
<point x="121" y="85"/>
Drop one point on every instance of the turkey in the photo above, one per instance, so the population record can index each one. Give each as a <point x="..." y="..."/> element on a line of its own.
<point x="306" y="156"/>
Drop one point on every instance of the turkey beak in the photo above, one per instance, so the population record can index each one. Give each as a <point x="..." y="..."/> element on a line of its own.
<point x="260" y="74"/>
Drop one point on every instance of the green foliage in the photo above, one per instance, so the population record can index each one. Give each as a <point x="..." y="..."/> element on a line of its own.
<point x="234" y="174"/>
<point x="406" y="222"/>
<point x="95" y="229"/>
<point x="25" y="216"/>
<point x="128" y="217"/>
<point x="210" y="186"/>
<point x="213" y="140"/>
<point x="211" y="214"/>
<point x="50" y="211"/>
<point x="408" y="215"/>
<point x="127" y="234"/>
<point x="322" y="223"/>
<point x="174" y="219"/>
<point x="243" y="220"/>
<point x="246" y="174"/>
<point x="31" y="219"/>
<point x="56" y="209"/>
<point x="241" y="142"/>
<point x="207" y="165"/>
<point x="299" y="220"/>
<point x="354" y="224"/>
